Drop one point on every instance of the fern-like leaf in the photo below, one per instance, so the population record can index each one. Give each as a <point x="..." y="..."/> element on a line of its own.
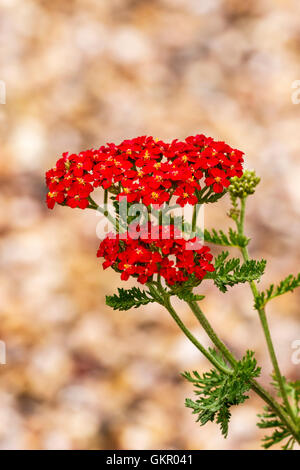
<point x="126" y="299"/>
<point x="213" y="197"/>
<point x="220" y="238"/>
<point x="269" y="420"/>
<point x="287" y="285"/>
<point x="189" y="296"/>
<point x="217" y="391"/>
<point x="231" y="272"/>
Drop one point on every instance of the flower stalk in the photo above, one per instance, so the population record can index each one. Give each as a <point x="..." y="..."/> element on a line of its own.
<point x="263" y="317"/>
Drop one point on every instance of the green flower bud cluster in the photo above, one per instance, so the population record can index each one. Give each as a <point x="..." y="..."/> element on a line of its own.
<point x="243" y="186"/>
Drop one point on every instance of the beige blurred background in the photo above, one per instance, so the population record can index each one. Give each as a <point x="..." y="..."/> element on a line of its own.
<point x="82" y="73"/>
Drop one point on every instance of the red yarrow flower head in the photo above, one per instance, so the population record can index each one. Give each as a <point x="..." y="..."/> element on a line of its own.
<point x="151" y="254"/>
<point x="145" y="169"/>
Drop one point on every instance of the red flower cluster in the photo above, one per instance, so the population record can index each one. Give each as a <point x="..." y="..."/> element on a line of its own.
<point x="70" y="182"/>
<point x="158" y="250"/>
<point x="145" y="170"/>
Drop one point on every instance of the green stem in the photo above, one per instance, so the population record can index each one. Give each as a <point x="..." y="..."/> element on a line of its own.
<point x="160" y="220"/>
<point x="191" y="337"/>
<point x="163" y="298"/>
<point x="263" y="317"/>
<point x="285" y="418"/>
<point x="211" y="333"/>
<point x="195" y="215"/>
<point x="105" y="202"/>
<point x="148" y="214"/>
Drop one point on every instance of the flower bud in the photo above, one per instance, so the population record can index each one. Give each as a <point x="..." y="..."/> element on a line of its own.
<point x="245" y="185"/>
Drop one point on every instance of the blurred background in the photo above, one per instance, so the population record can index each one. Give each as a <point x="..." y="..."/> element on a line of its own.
<point x="82" y="73"/>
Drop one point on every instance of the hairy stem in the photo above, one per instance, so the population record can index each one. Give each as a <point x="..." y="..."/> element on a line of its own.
<point x="192" y="338"/>
<point x="211" y="333"/>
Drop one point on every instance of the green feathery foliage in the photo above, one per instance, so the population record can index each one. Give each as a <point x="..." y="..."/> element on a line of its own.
<point x="185" y="291"/>
<point x="188" y="296"/>
<point x="213" y="197"/>
<point x="287" y="285"/>
<point x="220" y="238"/>
<point x="126" y="299"/>
<point x="269" y="419"/>
<point x="231" y="272"/>
<point x="218" y="391"/>
<point x="207" y="195"/>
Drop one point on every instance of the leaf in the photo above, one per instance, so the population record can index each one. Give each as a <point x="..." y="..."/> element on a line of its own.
<point x="231" y="272"/>
<point x="207" y="195"/>
<point x="213" y="198"/>
<point x="280" y="431"/>
<point x="287" y="285"/>
<point x="220" y="259"/>
<point x="220" y="238"/>
<point x="188" y="296"/>
<point x="126" y="299"/>
<point x="218" y="391"/>
<point x="185" y="291"/>
<point x="269" y="420"/>
<point x="232" y="239"/>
